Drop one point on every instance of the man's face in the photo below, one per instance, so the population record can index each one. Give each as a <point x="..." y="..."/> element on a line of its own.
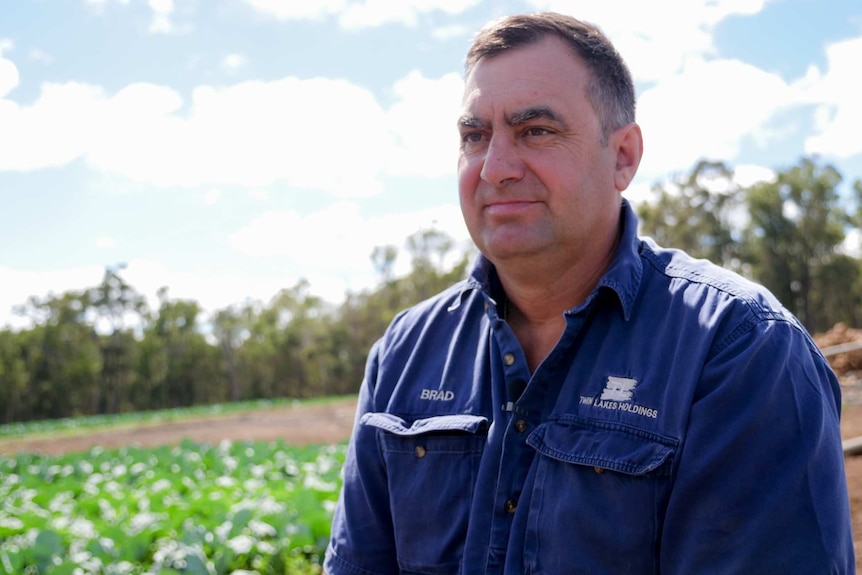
<point x="534" y="177"/>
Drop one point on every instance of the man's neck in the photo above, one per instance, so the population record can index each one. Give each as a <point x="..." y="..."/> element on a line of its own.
<point x="542" y="290"/>
<point x="536" y="297"/>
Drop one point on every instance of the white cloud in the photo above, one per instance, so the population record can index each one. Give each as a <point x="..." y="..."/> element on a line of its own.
<point x="423" y="123"/>
<point x="57" y="129"/>
<point x="162" y="10"/>
<point x="839" y="113"/>
<point x="212" y="197"/>
<point x="297" y="10"/>
<point x="452" y="31"/>
<point x="656" y="40"/>
<point x="339" y="238"/>
<point x="8" y="74"/>
<point x="638" y="192"/>
<point x="40" y="56"/>
<point x="18" y="286"/>
<point x="746" y="175"/>
<point x="360" y="14"/>
<point x="165" y="14"/>
<point x="233" y="62"/>
<point x="371" y="13"/>
<point x="852" y="245"/>
<point x="315" y="134"/>
<point x="212" y="291"/>
<point x="703" y="113"/>
<point x="106" y="243"/>
<point x="99" y="5"/>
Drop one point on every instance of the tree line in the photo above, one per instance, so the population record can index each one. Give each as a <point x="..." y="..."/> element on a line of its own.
<point x="102" y="350"/>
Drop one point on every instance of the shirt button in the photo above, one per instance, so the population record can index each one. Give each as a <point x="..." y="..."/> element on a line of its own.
<point x="520" y="426"/>
<point x="509" y="359"/>
<point x="420" y="451"/>
<point x="598" y="469"/>
<point x="511" y="506"/>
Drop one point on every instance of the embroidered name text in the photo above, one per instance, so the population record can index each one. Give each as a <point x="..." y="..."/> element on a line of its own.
<point x="437" y="395"/>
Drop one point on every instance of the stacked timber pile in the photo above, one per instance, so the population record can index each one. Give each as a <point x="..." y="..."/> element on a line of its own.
<point x="842" y="346"/>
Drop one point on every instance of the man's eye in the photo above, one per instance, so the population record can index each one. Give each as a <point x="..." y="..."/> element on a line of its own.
<point x="471" y="137"/>
<point x="536" y="131"/>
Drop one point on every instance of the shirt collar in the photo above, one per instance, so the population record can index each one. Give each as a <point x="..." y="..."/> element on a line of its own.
<point x="623" y="276"/>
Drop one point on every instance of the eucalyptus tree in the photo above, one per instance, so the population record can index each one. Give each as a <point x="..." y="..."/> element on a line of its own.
<point x="230" y="331"/>
<point x="181" y="368"/>
<point x="793" y="241"/>
<point x="120" y="310"/>
<point x="14" y="378"/>
<point x="62" y="356"/>
<point x="700" y="213"/>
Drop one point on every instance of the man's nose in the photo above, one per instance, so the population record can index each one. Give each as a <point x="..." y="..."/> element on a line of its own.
<point x="502" y="162"/>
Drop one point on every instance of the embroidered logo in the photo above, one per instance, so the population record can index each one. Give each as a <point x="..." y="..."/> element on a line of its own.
<point x="617" y="396"/>
<point x="618" y="389"/>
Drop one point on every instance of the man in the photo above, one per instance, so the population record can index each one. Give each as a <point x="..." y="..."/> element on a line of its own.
<point x="586" y="401"/>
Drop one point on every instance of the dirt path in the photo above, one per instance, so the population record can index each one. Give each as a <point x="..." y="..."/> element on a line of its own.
<point x="329" y="423"/>
<point x="325" y="423"/>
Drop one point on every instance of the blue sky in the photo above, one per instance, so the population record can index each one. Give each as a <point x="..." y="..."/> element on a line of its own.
<point x="228" y="148"/>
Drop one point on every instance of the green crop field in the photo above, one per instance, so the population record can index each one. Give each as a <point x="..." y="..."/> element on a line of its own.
<point x="234" y="509"/>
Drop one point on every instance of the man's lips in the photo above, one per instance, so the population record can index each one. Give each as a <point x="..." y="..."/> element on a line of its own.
<point x="508" y="207"/>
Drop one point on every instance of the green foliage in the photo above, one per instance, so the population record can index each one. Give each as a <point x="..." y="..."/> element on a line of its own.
<point x="696" y="214"/>
<point x="787" y="234"/>
<point x="797" y="225"/>
<point x="13" y="376"/>
<point x="193" y="509"/>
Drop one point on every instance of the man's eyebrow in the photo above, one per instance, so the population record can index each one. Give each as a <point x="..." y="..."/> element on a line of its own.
<point x="529" y="114"/>
<point x="514" y="119"/>
<point x="471" y="122"/>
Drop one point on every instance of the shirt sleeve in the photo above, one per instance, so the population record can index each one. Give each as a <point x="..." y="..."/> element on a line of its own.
<point x="362" y="540"/>
<point x="760" y="485"/>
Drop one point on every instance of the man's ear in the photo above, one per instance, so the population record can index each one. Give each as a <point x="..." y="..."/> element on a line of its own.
<point x="629" y="146"/>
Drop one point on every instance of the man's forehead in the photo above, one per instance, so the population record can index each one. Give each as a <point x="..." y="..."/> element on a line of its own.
<point x="525" y="85"/>
<point x="518" y="102"/>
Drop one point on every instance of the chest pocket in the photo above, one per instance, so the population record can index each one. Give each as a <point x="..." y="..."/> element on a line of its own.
<point x="598" y="497"/>
<point x="432" y="465"/>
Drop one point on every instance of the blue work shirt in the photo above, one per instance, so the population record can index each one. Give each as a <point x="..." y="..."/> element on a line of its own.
<point x="684" y="424"/>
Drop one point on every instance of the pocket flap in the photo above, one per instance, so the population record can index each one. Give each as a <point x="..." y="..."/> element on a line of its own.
<point x="462" y="423"/>
<point x="618" y="448"/>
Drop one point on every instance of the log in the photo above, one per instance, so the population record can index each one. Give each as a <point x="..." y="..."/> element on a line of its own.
<point x="852" y="446"/>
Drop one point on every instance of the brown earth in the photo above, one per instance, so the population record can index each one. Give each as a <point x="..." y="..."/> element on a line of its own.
<point x="316" y="423"/>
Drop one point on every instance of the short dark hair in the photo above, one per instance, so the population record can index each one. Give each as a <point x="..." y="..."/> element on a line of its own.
<point x="611" y="89"/>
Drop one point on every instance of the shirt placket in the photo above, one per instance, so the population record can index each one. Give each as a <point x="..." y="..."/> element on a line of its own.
<point x="522" y="415"/>
<point x="509" y="372"/>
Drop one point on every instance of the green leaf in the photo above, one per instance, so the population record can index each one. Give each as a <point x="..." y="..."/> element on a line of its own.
<point x="195" y="566"/>
<point x="48" y="545"/>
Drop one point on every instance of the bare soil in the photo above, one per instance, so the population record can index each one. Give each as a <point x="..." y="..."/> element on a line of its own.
<point x="300" y="425"/>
